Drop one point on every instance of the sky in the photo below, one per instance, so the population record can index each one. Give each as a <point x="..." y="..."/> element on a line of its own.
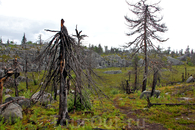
<point x="102" y="20"/>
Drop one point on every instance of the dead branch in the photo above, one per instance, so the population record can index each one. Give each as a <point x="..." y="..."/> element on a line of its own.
<point x="167" y="104"/>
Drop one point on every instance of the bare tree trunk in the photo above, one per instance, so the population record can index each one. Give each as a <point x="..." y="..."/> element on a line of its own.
<point x="185" y="72"/>
<point x="63" y="108"/>
<point x="55" y="89"/>
<point x="15" y="63"/>
<point x="26" y="68"/>
<point x="145" y="52"/>
<point x="75" y="97"/>
<point x="15" y="82"/>
<point x="64" y="59"/>
<point x="154" y="82"/>
<point x="1" y="90"/>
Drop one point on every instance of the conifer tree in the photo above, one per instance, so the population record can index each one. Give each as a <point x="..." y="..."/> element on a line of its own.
<point x="144" y="28"/>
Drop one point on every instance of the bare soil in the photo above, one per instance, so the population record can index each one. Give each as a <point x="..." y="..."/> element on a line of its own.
<point x="139" y="123"/>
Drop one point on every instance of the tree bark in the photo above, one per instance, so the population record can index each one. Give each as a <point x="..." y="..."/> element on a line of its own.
<point x="63" y="56"/>
<point x="154" y="82"/>
<point x="145" y="52"/>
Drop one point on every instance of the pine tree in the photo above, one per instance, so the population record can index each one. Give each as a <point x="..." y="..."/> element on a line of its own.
<point x="24" y="40"/>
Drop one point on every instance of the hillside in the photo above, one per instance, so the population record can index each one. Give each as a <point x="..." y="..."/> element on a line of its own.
<point x="116" y="110"/>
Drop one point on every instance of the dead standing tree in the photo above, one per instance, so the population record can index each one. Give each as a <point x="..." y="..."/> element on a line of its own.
<point x="78" y="69"/>
<point x="16" y="74"/>
<point x="57" y="55"/>
<point x="144" y="28"/>
<point x="61" y="56"/>
<point x="3" y="79"/>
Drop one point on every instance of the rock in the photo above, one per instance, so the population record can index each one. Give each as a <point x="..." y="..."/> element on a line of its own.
<point x="1" y="72"/>
<point x="148" y="93"/>
<point x="174" y="61"/>
<point x="113" y="72"/>
<point x="8" y="91"/>
<point x="7" y="95"/>
<point x="44" y="99"/>
<point x="184" y="57"/>
<point x="12" y="112"/>
<point x="190" y="80"/>
<point x="23" y="102"/>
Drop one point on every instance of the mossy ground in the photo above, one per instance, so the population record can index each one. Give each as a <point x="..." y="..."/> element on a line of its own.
<point x="121" y="109"/>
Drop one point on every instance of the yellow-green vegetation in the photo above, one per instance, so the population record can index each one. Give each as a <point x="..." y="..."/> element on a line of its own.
<point x="121" y="110"/>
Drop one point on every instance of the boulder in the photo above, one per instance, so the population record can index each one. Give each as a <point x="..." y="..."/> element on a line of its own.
<point x="174" y="61"/>
<point x="11" y="113"/>
<point x="190" y="79"/>
<point x="23" y="102"/>
<point x="7" y="95"/>
<point x="113" y="72"/>
<point x="44" y="99"/>
<point x="148" y="93"/>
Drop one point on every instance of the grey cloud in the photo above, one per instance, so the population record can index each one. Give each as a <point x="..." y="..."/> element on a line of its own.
<point x="13" y="28"/>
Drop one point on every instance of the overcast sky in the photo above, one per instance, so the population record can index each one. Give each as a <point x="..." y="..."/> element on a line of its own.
<point x="102" y="20"/>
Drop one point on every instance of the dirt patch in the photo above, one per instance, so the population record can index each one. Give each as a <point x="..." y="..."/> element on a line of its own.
<point x="135" y="122"/>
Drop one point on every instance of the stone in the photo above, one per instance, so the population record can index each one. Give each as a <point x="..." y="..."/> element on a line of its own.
<point x="7" y="95"/>
<point x="190" y="79"/>
<point x="148" y="93"/>
<point x="8" y="91"/>
<point x="44" y="99"/>
<point x="113" y="72"/>
<point x="23" y="102"/>
<point x="174" y="61"/>
<point x="12" y="112"/>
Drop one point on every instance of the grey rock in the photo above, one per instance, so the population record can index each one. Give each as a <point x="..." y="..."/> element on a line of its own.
<point x="174" y="61"/>
<point x="8" y="91"/>
<point x="44" y="99"/>
<point x="12" y="112"/>
<point x="148" y="93"/>
<point x="190" y="80"/>
<point x="113" y="72"/>
<point x="23" y="102"/>
<point x="7" y="95"/>
<point x="184" y="57"/>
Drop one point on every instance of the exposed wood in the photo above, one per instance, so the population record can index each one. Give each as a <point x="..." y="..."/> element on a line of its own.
<point x="3" y="79"/>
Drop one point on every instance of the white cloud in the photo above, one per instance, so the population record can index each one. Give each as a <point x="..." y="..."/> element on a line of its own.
<point x="102" y="20"/>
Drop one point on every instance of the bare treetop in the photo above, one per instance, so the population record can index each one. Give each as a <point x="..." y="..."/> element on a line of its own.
<point x="147" y="21"/>
<point x="144" y="29"/>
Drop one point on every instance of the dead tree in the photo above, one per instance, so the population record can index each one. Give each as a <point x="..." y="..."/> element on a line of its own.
<point x="135" y="65"/>
<point x="144" y="28"/>
<point x="3" y="79"/>
<point x="26" y="62"/>
<point x="16" y="74"/>
<point x="156" y="63"/>
<point x="167" y="104"/>
<point x="78" y="78"/>
<point x="61" y="56"/>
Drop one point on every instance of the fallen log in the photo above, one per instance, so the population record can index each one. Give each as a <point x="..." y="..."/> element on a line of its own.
<point x="167" y="104"/>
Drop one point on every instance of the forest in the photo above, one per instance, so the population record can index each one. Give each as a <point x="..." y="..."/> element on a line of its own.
<point x="62" y="84"/>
